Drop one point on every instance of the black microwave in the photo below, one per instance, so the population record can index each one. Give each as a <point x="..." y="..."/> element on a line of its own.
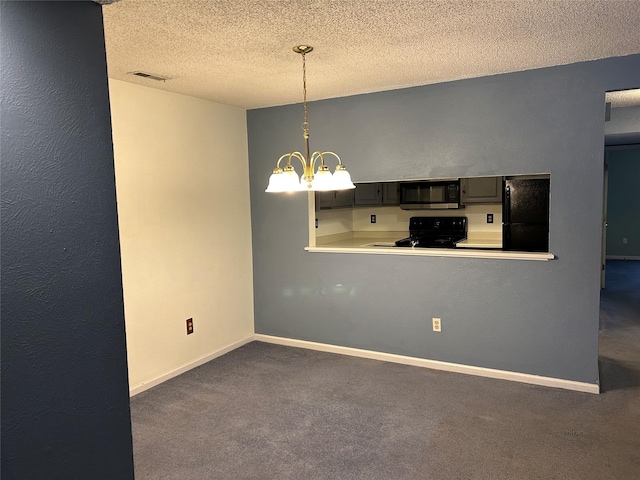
<point x="443" y="194"/>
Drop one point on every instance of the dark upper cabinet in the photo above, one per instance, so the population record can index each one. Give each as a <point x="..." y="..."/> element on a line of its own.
<point x="367" y="194"/>
<point x="373" y="194"/>
<point x="324" y="200"/>
<point x="344" y="198"/>
<point x="334" y="199"/>
<point x="390" y="193"/>
<point x="481" y="190"/>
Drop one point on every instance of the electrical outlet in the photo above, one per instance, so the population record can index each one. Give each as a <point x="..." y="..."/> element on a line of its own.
<point x="437" y="324"/>
<point x="373" y="219"/>
<point x="624" y="241"/>
<point x="489" y="217"/>
<point x="189" y="326"/>
<point x="316" y="223"/>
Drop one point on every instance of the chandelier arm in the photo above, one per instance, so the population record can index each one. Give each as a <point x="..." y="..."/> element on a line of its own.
<point x="300" y="157"/>
<point x="314" y="158"/>
<point x="331" y="153"/>
<point x="288" y="159"/>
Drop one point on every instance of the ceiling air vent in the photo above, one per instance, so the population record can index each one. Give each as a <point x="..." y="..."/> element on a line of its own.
<point x="150" y="76"/>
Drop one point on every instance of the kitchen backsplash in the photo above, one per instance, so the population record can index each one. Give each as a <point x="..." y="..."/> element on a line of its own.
<point x="395" y="219"/>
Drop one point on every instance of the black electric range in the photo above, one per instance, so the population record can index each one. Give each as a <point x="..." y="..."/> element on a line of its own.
<point x="435" y="232"/>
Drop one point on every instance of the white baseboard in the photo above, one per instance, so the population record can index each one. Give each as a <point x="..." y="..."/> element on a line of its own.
<point x="184" y="368"/>
<point x="623" y="257"/>
<point x="373" y="355"/>
<point x="434" y="364"/>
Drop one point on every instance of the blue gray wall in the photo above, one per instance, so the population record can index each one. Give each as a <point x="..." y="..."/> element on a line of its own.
<point x="532" y="317"/>
<point x="623" y="205"/>
<point x="65" y="399"/>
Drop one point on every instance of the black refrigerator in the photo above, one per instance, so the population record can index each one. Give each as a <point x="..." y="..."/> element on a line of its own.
<point x="525" y="215"/>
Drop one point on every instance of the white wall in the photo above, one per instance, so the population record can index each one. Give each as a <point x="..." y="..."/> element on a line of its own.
<point x="185" y="231"/>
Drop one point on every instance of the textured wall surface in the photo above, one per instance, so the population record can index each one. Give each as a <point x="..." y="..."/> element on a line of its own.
<point x="623" y="120"/>
<point x="531" y="317"/>
<point x="65" y="404"/>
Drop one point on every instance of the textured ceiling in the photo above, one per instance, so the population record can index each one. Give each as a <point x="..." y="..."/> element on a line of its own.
<point x="238" y="52"/>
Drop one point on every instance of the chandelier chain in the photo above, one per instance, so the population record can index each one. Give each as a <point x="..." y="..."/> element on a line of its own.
<point x="305" y="124"/>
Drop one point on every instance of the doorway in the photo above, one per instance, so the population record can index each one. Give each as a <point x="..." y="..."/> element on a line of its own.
<point x="619" y="326"/>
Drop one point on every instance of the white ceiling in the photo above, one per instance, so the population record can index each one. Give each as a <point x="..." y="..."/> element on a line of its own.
<point x="239" y="52"/>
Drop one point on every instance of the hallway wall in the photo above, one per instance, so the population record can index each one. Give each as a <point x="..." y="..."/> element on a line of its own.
<point x="65" y="398"/>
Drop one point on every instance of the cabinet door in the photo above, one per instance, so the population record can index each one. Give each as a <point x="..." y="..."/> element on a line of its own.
<point x="367" y="194"/>
<point x="325" y="200"/>
<point x="391" y="193"/>
<point x="343" y="198"/>
<point x="334" y="199"/>
<point x="481" y="190"/>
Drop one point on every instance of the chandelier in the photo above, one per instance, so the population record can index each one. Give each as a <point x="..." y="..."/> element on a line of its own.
<point x="286" y="179"/>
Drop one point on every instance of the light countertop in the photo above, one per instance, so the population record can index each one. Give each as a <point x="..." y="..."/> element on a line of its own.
<point x="361" y="239"/>
<point x="387" y="239"/>
<point x="488" y="245"/>
<point x="482" y="240"/>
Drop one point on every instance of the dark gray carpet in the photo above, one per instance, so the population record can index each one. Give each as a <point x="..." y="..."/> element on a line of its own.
<point x="620" y="326"/>
<point x="271" y="412"/>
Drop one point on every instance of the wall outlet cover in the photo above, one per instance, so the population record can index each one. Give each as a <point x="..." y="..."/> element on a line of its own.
<point x="189" y="326"/>
<point x="437" y="324"/>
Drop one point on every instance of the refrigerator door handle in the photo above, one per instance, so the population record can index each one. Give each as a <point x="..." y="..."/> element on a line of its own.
<point x="507" y="204"/>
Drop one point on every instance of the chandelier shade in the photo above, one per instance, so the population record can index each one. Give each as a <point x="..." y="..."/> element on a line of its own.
<point x="286" y="179"/>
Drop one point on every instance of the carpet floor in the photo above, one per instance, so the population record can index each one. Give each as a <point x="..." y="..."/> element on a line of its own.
<point x="271" y="412"/>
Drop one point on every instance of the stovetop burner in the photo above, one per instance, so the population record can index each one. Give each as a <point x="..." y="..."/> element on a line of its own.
<point x="434" y="232"/>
